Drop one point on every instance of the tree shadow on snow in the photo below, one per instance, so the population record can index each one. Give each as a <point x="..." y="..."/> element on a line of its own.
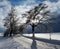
<point x="33" y="46"/>
<point x="56" y="42"/>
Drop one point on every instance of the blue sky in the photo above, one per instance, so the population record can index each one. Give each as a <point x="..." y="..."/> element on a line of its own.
<point x="24" y="5"/>
<point x="19" y="2"/>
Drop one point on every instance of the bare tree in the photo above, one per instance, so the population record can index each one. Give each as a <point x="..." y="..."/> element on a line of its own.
<point x="10" y="22"/>
<point x="39" y="16"/>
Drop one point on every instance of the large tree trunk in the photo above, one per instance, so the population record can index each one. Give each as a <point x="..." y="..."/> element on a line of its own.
<point x="11" y="33"/>
<point x="33" y="29"/>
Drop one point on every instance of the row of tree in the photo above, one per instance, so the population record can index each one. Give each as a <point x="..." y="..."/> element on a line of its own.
<point x="10" y="22"/>
<point x="39" y="15"/>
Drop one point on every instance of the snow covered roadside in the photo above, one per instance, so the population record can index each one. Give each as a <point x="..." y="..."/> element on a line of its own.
<point x="9" y="43"/>
<point x="24" y="43"/>
<point x="34" y="44"/>
<point x="55" y="36"/>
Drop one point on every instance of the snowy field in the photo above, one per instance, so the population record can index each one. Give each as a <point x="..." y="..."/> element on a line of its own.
<point x="55" y="36"/>
<point x="1" y="34"/>
<point x="26" y="43"/>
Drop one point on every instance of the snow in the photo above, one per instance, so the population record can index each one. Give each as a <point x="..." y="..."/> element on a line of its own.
<point x="1" y="34"/>
<point x="9" y="43"/>
<point x="21" y="42"/>
<point x="55" y="36"/>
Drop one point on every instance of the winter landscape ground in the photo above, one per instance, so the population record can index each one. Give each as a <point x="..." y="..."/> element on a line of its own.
<point x="26" y="24"/>
<point x="27" y="42"/>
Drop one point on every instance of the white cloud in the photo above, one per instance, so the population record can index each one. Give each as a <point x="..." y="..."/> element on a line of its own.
<point x="23" y="8"/>
<point x="4" y="9"/>
<point x="30" y="2"/>
<point x="53" y="6"/>
<point x="6" y="5"/>
<point x="20" y="10"/>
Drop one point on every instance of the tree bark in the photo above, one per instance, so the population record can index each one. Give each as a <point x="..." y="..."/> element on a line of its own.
<point x="33" y="29"/>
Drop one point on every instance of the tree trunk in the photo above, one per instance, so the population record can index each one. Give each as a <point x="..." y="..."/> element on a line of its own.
<point x="33" y="29"/>
<point x="10" y="33"/>
<point x="50" y="35"/>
